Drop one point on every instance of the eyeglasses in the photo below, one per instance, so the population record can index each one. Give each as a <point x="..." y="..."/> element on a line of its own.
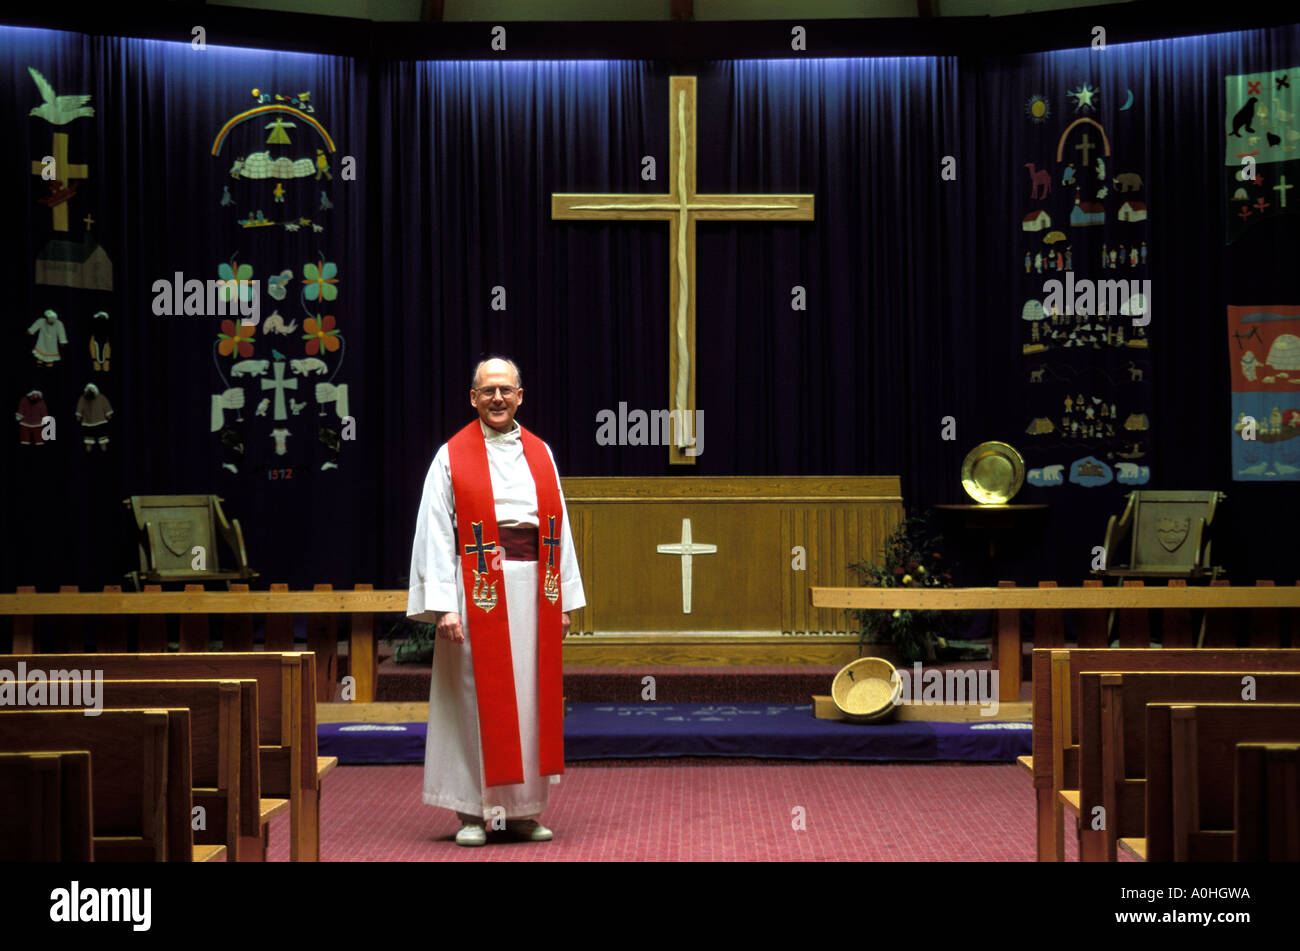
<point x="487" y="392"/>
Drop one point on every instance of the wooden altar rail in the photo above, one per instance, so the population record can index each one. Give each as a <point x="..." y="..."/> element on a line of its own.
<point x="1132" y="601"/>
<point x="195" y="605"/>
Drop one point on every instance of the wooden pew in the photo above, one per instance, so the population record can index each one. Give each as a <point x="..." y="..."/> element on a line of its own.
<point x="286" y="708"/>
<point x="140" y="791"/>
<point x="1112" y="740"/>
<point x="1056" y="713"/>
<point x="45" y="813"/>
<point x="1190" y="790"/>
<point x="223" y="725"/>
<point x="1267" y="803"/>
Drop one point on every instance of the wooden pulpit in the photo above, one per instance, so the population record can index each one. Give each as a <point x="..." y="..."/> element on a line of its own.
<point x="723" y="553"/>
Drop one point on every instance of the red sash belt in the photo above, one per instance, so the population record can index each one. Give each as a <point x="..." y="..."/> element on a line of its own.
<point x="519" y="543"/>
<point x="482" y="550"/>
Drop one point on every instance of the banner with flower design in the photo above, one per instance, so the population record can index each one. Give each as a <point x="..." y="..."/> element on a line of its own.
<point x="279" y="410"/>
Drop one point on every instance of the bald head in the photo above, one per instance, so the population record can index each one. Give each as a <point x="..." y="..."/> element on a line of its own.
<point x="497" y="392"/>
<point x="498" y="364"/>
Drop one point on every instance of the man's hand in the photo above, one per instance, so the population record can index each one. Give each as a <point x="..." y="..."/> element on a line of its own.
<point x="564" y="621"/>
<point x="449" y="628"/>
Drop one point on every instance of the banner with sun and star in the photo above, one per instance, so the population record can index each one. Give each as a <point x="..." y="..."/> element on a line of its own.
<point x="1082" y="260"/>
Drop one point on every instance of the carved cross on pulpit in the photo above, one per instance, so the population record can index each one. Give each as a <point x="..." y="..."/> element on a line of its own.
<point x="682" y="207"/>
<point x="686" y="548"/>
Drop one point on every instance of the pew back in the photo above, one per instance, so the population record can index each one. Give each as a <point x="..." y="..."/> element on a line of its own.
<point x="286" y="711"/>
<point x="1056" y="679"/>
<point x="1267" y="805"/>
<point x="218" y="734"/>
<point x="1056" y="710"/>
<point x="45" y="813"/>
<point x="1112" y="732"/>
<point x="1190" y="792"/>
<point x="128" y="754"/>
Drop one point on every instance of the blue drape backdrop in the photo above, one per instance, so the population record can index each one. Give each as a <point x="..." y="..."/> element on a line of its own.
<point x="914" y="283"/>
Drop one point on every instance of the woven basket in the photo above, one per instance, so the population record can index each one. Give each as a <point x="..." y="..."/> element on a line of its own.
<point x="863" y="691"/>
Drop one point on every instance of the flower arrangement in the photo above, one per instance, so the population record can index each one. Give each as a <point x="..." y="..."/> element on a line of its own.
<point x="911" y="560"/>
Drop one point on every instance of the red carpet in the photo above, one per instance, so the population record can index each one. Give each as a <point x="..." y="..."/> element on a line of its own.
<point x="702" y="813"/>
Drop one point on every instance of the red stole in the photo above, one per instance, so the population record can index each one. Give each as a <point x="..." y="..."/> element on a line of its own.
<point x="486" y="622"/>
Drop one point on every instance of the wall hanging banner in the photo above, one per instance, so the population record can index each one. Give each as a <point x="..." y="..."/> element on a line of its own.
<point x="284" y="361"/>
<point x="1083" y="262"/>
<point x="1264" y="357"/>
<point x="1261" y="138"/>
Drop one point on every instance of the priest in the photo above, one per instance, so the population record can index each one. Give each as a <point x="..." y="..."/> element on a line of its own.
<point x="493" y="567"/>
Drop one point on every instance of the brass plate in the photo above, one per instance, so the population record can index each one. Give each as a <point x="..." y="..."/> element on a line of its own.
<point x="992" y="473"/>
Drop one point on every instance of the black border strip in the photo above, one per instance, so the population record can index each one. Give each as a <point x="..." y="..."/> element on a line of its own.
<point x="658" y="40"/>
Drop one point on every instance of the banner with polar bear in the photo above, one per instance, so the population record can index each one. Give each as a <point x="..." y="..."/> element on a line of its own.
<point x="1083" y="264"/>
<point x="1264" y="358"/>
<point x="1261" y="137"/>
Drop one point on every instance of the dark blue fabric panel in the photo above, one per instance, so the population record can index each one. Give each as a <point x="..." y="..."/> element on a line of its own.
<point x="596" y="731"/>
<point x="778" y="731"/>
<point x="914" y="283"/>
<point x="360" y="744"/>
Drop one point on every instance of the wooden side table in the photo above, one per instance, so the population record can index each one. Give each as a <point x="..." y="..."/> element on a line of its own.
<point x="1001" y="528"/>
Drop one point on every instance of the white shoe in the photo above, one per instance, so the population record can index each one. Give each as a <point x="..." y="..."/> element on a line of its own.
<point x="471" y="834"/>
<point x="530" y="829"/>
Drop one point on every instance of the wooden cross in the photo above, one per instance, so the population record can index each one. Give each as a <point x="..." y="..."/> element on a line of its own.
<point x="64" y="172"/>
<point x="681" y="207"/>
<point x="686" y="549"/>
<point x="1085" y="147"/>
<point x="88" y="221"/>
<point x="1282" y="188"/>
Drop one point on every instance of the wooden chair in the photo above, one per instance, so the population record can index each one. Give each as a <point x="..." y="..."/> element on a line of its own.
<point x="286" y="710"/>
<point x="1162" y="534"/>
<point x="1190" y="791"/>
<point x="1112" y="740"/>
<point x="1055" y="758"/>
<point x="141" y="793"/>
<point x="1267" y="803"/>
<point x="170" y="527"/>
<point x="45" y="813"/>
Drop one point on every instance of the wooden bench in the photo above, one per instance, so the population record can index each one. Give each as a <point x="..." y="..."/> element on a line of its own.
<point x="1056" y="712"/>
<point x="1190" y="792"/>
<point x="288" y="764"/>
<point x="223" y="726"/>
<point x="140" y="777"/>
<point x="45" y="813"/>
<point x="1267" y="803"/>
<point x="1112" y="740"/>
